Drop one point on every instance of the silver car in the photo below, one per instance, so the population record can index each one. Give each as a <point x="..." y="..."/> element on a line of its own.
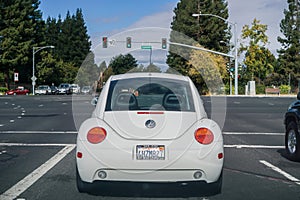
<point x="43" y="89"/>
<point x="64" y="88"/>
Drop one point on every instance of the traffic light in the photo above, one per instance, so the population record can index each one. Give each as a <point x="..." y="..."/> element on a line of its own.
<point x="164" y="43"/>
<point x="232" y="66"/>
<point x="104" y="42"/>
<point x="128" y="42"/>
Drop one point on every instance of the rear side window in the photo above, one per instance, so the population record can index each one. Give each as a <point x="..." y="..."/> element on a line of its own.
<point x="149" y="94"/>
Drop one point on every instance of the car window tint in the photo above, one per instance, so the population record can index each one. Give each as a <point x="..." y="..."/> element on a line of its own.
<point x="149" y="94"/>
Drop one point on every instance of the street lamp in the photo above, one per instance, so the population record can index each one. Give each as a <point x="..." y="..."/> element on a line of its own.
<point x="34" y="51"/>
<point x="235" y="49"/>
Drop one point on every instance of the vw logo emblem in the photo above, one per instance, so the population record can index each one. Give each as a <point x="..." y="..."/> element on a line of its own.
<point x="150" y="123"/>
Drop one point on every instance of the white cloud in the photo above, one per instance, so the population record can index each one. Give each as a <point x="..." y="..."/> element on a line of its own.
<point x="162" y="19"/>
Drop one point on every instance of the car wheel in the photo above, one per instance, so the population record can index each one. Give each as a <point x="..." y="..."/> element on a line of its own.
<point x="82" y="187"/>
<point x="292" y="142"/>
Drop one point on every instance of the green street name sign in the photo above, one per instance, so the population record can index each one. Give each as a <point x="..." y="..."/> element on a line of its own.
<point x="146" y="47"/>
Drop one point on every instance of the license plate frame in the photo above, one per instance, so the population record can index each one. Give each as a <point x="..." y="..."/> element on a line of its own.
<point x="150" y="152"/>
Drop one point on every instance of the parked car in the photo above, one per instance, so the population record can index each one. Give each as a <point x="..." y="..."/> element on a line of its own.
<point x="43" y="89"/>
<point x="292" y="127"/>
<point x="20" y="90"/>
<point x="64" y="88"/>
<point x="74" y="88"/>
<point x="150" y="128"/>
<point x="54" y="89"/>
<point x="86" y="90"/>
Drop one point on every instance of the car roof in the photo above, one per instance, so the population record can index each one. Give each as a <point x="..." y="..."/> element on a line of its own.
<point x="151" y="74"/>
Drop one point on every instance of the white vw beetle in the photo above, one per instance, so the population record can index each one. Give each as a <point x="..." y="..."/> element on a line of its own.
<point x="149" y="127"/>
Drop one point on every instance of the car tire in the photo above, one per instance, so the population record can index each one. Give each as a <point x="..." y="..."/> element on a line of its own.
<point x="82" y="187"/>
<point x="292" y="142"/>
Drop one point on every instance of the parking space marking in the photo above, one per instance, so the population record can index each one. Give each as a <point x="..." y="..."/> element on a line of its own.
<point x="33" y="145"/>
<point x="239" y="146"/>
<point x="39" y="132"/>
<point x="252" y="133"/>
<point x="2" y="152"/>
<point x="280" y="171"/>
<point x="30" y="179"/>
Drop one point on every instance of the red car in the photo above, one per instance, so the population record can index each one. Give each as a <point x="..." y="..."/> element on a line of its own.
<point x="18" y="91"/>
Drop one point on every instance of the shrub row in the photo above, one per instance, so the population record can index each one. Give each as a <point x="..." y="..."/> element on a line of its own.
<point x="3" y="89"/>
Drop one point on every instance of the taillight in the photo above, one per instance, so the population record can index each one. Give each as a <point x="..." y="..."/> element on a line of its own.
<point x="96" y="135"/>
<point x="79" y="154"/>
<point x="204" y="136"/>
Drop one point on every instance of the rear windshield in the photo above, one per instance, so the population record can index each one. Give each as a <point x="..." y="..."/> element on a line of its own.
<point x="149" y="94"/>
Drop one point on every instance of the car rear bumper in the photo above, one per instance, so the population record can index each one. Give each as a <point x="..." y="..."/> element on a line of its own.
<point x="183" y="165"/>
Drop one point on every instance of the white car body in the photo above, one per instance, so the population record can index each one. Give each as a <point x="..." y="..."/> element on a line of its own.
<point x="86" y="90"/>
<point x="43" y="89"/>
<point x="64" y="88"/>
<point x="155" y="144"/>
<point x="75" y="89"/>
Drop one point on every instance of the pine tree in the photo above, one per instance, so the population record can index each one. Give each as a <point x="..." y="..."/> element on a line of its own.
<point x="21" y="28"/>
<point x="74" y="40"/>
<point x="289" y="54"/>
<point x="123" y="63"/>
<point x="209" y="31"/>
<point x="71" y="41"/>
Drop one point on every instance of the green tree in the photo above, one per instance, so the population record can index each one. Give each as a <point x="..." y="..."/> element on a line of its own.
<point x="88" y="73"/>
<point x="21" y="28"/>
<point x="258" y="59"/>
<point x="47" y="70"/>
<point x="139" y="68"/>
<point x="208" y="71"/>
<point x="209" y="31"/>
<point x="72" y="46"/>
<point x="289" y="54"/>
<point x="52" y="35"/>
<point x="123" y="63"/>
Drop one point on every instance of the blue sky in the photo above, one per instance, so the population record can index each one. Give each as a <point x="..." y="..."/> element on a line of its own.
<point x="110" y="17"/>
<point x="107" y="15"/>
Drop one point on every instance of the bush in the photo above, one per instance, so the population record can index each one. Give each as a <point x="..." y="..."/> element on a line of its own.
<point x="285" y="89"/>
<point x="3" y="89"/>
<point x="260" y="89"/>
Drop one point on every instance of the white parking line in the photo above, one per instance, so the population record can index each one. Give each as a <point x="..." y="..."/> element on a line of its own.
<point x="239" y="146"/>
<point x="41" y="132"/>
<point x="280" y="171"/>
<point x="2" y="152"/>
<point x="34" y="145"/>
<point x="30" y="179"/>
<point x="251" y="133"/>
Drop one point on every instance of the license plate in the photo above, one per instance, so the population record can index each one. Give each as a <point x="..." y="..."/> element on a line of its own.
<point x="150" y="152"/>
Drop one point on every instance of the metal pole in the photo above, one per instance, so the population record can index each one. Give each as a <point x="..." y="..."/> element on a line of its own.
<point x="235" y="44"/>
<point x="235" y="61"/>
<point x="230" y="82"/>
<point x="33" y="53"/>
<point x="33" y="70"/>
<point x="150" y="55"/>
